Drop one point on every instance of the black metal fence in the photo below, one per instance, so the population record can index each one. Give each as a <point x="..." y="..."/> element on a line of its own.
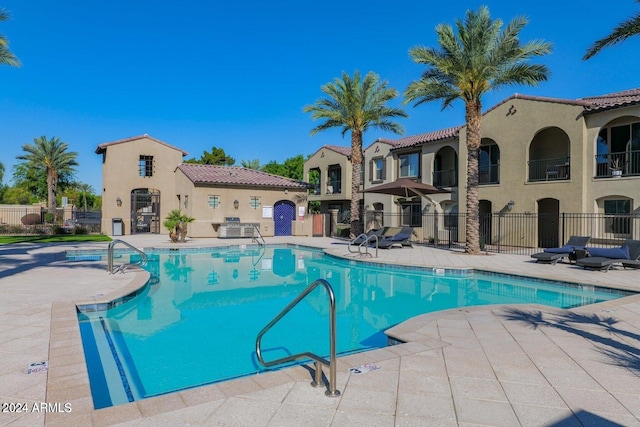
<point x="20" y="220"/>
<point x="513" y="233"/>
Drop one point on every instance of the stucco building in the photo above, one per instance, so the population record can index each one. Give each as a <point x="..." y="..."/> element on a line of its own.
<point x="143" y="179"/>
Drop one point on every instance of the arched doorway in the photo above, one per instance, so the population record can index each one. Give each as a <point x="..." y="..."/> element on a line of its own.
<point x="445" y="168"/>
<point x="549" y="155"/>
<point x="145" y="211"/>
<point x="284" y="213"/>
<point x="548" y="223"/>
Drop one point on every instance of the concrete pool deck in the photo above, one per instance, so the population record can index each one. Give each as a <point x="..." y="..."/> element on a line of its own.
<point x="523" y="365"/>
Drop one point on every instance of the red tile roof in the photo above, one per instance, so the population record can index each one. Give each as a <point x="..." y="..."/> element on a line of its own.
<point x="236" y="176"/>
<point x="613" y="100"/>
<point x="423" y="138"/>
<point x="103" y="147"/>
<point x="339" y="149"/>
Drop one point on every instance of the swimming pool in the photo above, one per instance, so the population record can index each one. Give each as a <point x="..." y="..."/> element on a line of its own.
<point x="197" y="319"/>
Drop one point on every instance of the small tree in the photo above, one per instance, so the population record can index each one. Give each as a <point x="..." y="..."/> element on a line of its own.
<point x="176" y="222"/>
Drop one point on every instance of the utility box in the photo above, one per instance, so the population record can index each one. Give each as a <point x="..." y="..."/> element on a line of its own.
<point x="117" y="227"/>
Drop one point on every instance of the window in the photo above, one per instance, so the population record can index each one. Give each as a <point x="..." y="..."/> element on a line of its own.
<point x="145" y="166"/>
<point x="617" y="216"/>
<point x="409" y="165"/>
<point x="378" y="172"/>
<point x="214" y="201"/>
<point x="254" y="202"/>
<point x="411" y="214"/>
<point x="488" y="169"/>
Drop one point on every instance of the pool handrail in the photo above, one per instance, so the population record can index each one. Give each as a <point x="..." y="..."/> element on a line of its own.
<point x="331" y="364"/>
<point x="257" y="230"/>
<point x="111" y="269"/>
<point x="365" y="244"/>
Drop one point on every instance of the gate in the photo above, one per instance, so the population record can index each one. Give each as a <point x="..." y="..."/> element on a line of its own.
<point x="284" y="213"/>
<point x="145" y="211"/>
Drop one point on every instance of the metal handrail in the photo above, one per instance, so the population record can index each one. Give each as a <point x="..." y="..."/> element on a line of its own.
<point x="364" y="244"/>
<point x="143" y="257"/>
<point x="331" y="364"/>
<point x="259" y="235"/>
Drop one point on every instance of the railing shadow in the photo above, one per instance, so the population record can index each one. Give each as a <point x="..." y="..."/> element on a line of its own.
<point x="620" y="346"/>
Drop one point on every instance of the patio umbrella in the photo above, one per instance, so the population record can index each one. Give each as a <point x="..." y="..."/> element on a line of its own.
<point x="405" y="187"/>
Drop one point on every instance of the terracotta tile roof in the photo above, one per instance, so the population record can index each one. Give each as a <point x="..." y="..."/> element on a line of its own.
<point x="423" y="138"/>
<point x="103" y="147"/>
<point x="390" y="142"/>
<point x="339" y="149"/>
<point x="236" y="176"/>
<point x="613" y="100"/>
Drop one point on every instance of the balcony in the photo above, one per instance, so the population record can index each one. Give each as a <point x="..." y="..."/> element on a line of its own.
<point x="489" y="174"/>
<point x="334" y="187"/>
<point x="555" y="169"/>
<point x="626" y="163"/>
<point x="445" y="178"/>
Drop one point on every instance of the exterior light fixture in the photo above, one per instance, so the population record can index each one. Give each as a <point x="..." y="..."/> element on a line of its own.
<point x="186" y="201"/>
<point x="119" y="201"/>
<point x="236" y="204"/>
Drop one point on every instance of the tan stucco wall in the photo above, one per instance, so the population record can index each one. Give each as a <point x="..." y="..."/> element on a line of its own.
<point x="120" y="176"/>
<point x="514" y="132"/>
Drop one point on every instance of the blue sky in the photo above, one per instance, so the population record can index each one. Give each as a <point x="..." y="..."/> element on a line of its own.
<point x="236" y="74"/>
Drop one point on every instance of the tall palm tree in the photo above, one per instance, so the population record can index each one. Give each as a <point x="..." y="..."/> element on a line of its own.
<point x="356" y="104"/>
<point x="53" y="157"/>
<point x="84" y="188"/>
<point x="6" y="56"/>
<point x="619" y="34"/>
<point x="480" y="58"/>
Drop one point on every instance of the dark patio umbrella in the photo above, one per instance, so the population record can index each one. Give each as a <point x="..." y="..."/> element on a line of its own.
<point x="405" y="187"/>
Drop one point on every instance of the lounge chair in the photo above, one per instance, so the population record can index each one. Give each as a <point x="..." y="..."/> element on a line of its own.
<point x="364" y="236"/>
<point x="401" y="238"/>
<point x="553" y="255"/>
<point x="628" y="255"/>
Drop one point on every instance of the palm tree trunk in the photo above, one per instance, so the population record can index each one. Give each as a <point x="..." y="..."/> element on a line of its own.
<point x="52" y="182"/>
<point x="356" y="163"/>
<point x="473" y="117"/>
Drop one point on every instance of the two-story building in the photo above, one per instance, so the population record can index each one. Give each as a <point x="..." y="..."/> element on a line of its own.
<point x="143" y="179"/>
<point x="539" y="156"/>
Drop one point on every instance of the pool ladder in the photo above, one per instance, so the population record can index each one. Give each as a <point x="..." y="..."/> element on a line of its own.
<point x="319" y="361"/>
<point x="365" y="244"/>
<point x="122" y="267"/>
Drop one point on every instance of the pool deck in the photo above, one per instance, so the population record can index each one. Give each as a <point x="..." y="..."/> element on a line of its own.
<point x="526" y="365"/>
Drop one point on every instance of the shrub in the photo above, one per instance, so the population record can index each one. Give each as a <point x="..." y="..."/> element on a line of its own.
<point x="31" y="219"/>
<point x="49" y="217"/>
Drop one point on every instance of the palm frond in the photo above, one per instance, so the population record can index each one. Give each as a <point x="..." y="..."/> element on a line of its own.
<point x="619" y="34"/>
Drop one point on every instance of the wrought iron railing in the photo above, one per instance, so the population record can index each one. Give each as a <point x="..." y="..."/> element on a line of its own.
<point x="626" y="163"/>
<point x="445" y="178"/>
<point x="554" y="169"/>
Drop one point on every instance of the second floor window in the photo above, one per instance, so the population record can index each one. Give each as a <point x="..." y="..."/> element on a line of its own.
<point x="145" y="166"/>
<point x="377" y="169"/>
<point x="409" y="165"/>
<point x="214" y="201"/>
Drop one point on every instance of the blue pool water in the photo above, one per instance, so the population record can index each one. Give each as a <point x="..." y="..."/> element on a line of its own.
<point x="197" y="319"/>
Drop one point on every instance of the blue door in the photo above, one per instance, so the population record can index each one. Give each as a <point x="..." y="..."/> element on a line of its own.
<point x="284" y="212"/>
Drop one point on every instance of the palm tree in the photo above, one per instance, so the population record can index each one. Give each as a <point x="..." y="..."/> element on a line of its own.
<point x="52" y="157"/>
<point x="84" y="188"/>
<point x="251" y="164"/>
<point x="482" y="57"/>
<point x="619" y="34"/>
<point x="6" y="56"/>
<point x="356" y="104"/>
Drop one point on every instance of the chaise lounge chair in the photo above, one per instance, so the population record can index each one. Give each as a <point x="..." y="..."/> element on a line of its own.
<point x="553" y="255"/>
<point x="364" y="236"/>
<point x="401" y="238"/>
<point x="628" y="255"/>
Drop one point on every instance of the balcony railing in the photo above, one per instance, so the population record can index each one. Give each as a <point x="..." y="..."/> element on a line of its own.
<point x="555" y="169"/>
<point x="626" y="163"/>
<point x="334" y="187"/>
<point x="489" y="174"/>
<point x="445" y="178"/>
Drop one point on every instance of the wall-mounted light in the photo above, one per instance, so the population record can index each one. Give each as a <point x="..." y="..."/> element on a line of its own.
<point x="186" y="201"/>
<point x="119" y="201"/>
<point x="236" y="204"/>
<point x="511" y="204"/>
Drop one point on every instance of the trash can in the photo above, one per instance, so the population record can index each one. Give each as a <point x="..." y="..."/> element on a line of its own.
<point x="117" y="227"/>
